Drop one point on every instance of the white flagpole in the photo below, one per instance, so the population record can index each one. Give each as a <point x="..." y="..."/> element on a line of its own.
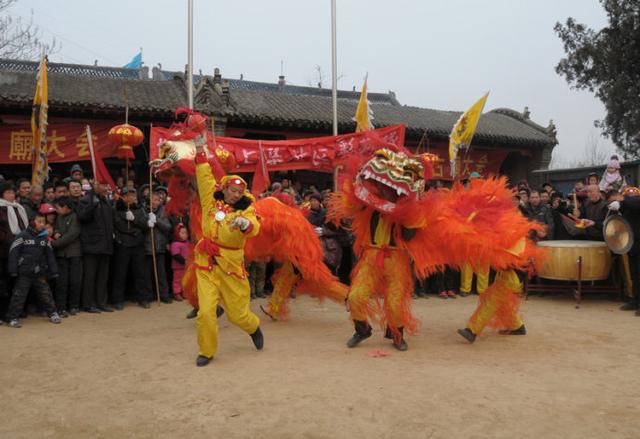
<point x="190" y="55"/>
<point x="334" y="68"/>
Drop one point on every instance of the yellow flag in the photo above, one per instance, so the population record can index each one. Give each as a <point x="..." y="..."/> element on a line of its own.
<point x="363" y="112"/>
<point x="463" y="131"/>
<point x="39" y="163"/>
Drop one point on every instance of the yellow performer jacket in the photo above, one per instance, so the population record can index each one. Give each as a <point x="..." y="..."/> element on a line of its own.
<point x="221" y="243"/>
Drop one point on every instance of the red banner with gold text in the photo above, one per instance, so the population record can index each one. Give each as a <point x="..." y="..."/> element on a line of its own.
<point x="65" y="143"/>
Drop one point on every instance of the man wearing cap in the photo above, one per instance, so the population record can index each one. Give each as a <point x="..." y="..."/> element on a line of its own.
<point x="228" y="219"/>
<point x="76" y="173"/>
<point x="96" y="235"/>
<point x="130" y="225"/>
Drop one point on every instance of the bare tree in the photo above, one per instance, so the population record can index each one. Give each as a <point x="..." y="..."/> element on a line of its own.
<point x="594" y="153"/>
<point x="20" y="39"/>
<point x="320" y="77"/>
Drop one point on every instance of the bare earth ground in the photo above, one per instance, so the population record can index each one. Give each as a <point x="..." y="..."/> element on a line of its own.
<point x="133" y="374"/>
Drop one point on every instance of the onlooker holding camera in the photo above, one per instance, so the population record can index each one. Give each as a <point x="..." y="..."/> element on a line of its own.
<point x="66" y="243"/>
<point x="96" y="219"/>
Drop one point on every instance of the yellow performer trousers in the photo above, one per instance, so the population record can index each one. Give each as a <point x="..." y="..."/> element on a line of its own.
<point x="213" y="286"/>
<point x="466" y="279"/>
<point x="386" y="272"/>
<point x="500" y="301"/>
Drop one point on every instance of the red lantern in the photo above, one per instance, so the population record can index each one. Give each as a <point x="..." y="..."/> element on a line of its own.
<point x="125" y="137"/>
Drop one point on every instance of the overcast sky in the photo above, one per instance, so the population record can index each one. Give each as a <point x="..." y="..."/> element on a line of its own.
<point x="441" y="54"/>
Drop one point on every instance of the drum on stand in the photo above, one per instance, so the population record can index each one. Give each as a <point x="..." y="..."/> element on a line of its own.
<point x="561" y="261"/>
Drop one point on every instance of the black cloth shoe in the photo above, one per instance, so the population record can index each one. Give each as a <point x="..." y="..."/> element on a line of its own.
<point x="202" y="360"/>
<point x="64" y="314"/>
<point x="118" y="306"/>
<point x="144" y="304"/>
<point x="219" y="311"/>
<point x="363" y="331"/>
<point x="466" y="333"/>
<point x="629" y="307"/>
<point x="105" y="309"/>
<point x="398" y="342"/>
<point x="192" y="314"/>
<point x="520" y="331"/>
<point x="92" y="310"/>
<point x="258" y="339"/>
<point x="74" y="311"/>
<point x="167" y="300"/>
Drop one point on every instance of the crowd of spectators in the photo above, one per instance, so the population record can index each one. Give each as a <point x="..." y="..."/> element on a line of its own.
<point x="74" y="245"/>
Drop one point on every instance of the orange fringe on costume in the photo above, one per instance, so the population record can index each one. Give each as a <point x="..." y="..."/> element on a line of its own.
<point x="479" y="225"/>
<point x="285" y="235"/>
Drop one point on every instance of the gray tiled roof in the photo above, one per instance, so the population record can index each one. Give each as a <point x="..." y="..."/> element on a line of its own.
<point x="243" y="84"/>
<point x="13" y="65"/>
<point x="249" y="102"/>
<point x="94" y="94"/>
<point x="504" y="127"/>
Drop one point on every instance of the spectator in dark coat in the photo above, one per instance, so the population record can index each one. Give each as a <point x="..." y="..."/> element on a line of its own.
<point x="317" y="213"/>
<point x="32" y="262"/>
<point x="161" y="227"/>
<point x="540" y="213"/>
<point x="13" y="220"/>
<point x="594" y="212"/>
<point x="130" y="225"/>
<point x="68" y="250"/>
<point x="96" y="222"/>
<point x="629" y="206"/>
<point x="32" y="203"/>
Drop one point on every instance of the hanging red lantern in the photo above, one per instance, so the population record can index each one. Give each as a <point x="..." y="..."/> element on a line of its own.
<point x="125" y="137"/>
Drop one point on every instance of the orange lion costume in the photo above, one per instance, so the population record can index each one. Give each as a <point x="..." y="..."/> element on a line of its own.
<point x="398" y="225"/>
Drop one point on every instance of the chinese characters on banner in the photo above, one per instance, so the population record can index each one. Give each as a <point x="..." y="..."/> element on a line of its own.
<point x="324" y="153"/>
<point x="65" y="143"/>
<point x="484" y="162"/>
<point x="316" y="153"/>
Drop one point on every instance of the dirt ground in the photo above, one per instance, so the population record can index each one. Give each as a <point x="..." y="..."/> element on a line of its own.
<point x="133" y="374"/>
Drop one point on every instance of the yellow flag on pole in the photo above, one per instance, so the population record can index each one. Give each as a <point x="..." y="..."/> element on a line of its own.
<point x="463" y="131"/>
<point x="364" y="115"/>
<point x="39" y="163"/>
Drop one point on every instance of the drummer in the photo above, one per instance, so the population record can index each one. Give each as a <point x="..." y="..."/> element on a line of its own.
<point x="594" y="212"/>
<point x="628" y="203"/>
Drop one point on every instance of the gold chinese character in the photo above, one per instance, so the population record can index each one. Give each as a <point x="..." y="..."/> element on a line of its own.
<point x="83" y="146"/>
<point x="53" y="140"/>
<point x="466" y="169"/>
<point x="21" y="142"/>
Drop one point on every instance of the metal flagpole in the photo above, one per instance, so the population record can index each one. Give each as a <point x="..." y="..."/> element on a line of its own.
<point x="334" y="69"/>
<point x="190" y="56"/>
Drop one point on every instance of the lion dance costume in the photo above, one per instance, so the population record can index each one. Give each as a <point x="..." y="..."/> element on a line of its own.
<point x="398" y="225"/>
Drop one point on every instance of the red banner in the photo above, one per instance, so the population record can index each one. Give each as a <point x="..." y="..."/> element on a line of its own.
<point x="65" y="143"/>
<point x="316" y="153"/>
<point x="487" y="162"/>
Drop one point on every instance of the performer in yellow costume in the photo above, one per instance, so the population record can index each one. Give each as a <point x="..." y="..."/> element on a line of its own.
<point x="498" y="308"/>
<point x="228" y="220"/>
<point x="466" y="280"/>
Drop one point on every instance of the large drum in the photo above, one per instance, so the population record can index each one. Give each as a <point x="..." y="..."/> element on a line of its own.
<point x="561" y="261"/>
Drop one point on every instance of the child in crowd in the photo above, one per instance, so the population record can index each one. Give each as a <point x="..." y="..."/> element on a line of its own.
<point x="32" y="262"/>
<point x="179" y="252"/>
<point x="611" y="179"/>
